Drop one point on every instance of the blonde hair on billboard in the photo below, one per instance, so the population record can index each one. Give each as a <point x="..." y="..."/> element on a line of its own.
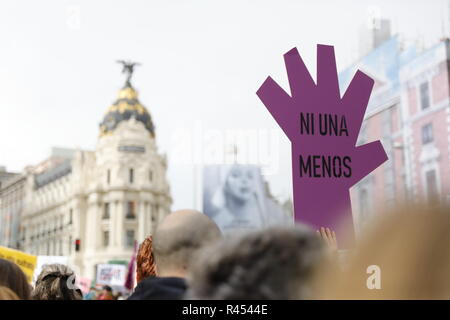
<point x="219" y="197"/>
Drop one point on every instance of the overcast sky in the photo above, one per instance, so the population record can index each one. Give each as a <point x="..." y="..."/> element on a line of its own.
<point x="202" y="62"/>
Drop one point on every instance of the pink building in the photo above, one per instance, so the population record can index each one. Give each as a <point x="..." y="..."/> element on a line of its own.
<point x="409" y="111"/>
<point x="426" y="114"/>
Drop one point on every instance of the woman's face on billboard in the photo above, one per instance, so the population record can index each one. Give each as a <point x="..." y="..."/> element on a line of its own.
<point x="240" y="182"/>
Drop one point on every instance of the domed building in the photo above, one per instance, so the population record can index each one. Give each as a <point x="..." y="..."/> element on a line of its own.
<point x="92" y="205"/>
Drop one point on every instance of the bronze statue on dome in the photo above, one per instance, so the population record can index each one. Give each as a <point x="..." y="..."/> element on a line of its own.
<point x="128" y="68"/>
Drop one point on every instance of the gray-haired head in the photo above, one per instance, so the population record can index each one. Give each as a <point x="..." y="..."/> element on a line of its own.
<point x="178" y="238"/>
<point x="56" y="282"/>
<point x="275" y="263"/>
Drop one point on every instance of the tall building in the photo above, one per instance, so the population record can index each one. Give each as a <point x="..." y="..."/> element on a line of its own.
<point x="372" y="34"/>
<point x="409" y="111"/>
<point x="92" y="205"/>
<point x="5" y="175"/>
<point x="12" y="198"/>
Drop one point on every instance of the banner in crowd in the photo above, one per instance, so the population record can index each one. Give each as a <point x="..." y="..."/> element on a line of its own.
<point x="84" y="284"/>
<point x="25" y="261"/>
<point x="236" y="198"/>
<point x="111" y="274"/>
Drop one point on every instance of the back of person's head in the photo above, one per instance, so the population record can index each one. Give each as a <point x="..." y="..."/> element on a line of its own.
<point x="107" y="289"/>
<point x="404" y="255"/>
<point x="177" y="239"/>
<point x="7" y="294"/>
<point x="145" y="262"/>
<point x="275" y="263"/>
<point x="56" y="282"/>
<point x="12" y="277"/>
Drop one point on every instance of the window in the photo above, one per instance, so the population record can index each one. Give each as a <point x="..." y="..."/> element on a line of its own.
<point x="131" y="175"/>
<point x="70" y="216"/>
<point x="431" y="182"/>
<point x="108" y="176"/>
<point x="150" y="175"/>
<point x="106" y="211"/>
<point x="105" y="238"/>
<point x="427" y="133"/>
<point x="131" y="214"/>
<point x="424" y="95"/>
<point x="129" y="239"/>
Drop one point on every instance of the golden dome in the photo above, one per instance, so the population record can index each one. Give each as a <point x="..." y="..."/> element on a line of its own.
<point x="126" y="106"/>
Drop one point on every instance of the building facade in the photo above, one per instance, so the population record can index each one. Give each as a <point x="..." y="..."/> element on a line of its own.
<point x="409" y="111"/>
<point x="5" y="176"/>
<point x="92" y="205"/>
<point x="426" y="138"/>
<point x="12" y="202"/>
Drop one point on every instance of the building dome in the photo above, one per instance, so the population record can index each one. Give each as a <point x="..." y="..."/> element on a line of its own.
<point x="125" y="107"/>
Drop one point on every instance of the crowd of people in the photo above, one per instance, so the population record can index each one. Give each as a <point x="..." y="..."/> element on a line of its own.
<point x="188" y="257"/>
<point x="105" y="293"/>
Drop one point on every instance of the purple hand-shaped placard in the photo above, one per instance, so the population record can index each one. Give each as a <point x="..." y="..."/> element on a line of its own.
<point x="323" y="130"/>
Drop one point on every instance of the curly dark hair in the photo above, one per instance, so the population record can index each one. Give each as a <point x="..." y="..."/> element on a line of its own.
<point x="145" y="262"/>
<point x="275" y="263"/>
<point x="12" y="277"/>
<point x="56" y="282"/>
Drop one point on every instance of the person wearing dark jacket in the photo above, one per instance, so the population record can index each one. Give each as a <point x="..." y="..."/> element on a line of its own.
<point x="176" y="240"/>
<point x="156" y="288"/>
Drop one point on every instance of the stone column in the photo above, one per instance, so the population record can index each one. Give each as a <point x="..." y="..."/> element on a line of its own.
<point x="114" y="217"/>
<point x="141" y="222"/>
<point x="97" y="227"/>
<point x="92" y="226"/>
<point x="147" y="219"/>
<point x="120" y="223"/>
<point x="161" y="212"/>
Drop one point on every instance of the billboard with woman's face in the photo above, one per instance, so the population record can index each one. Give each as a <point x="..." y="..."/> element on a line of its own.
<point x="236" y="198"/>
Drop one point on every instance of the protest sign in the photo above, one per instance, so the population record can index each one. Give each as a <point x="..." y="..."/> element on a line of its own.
<point x="111" y="274"/>
<point x="323" y="129"/>
<point x="84" y="284"/>
<point x="25" y="261"/>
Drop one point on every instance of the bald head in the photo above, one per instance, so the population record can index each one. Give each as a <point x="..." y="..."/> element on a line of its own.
<point x="178" y="237"/>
